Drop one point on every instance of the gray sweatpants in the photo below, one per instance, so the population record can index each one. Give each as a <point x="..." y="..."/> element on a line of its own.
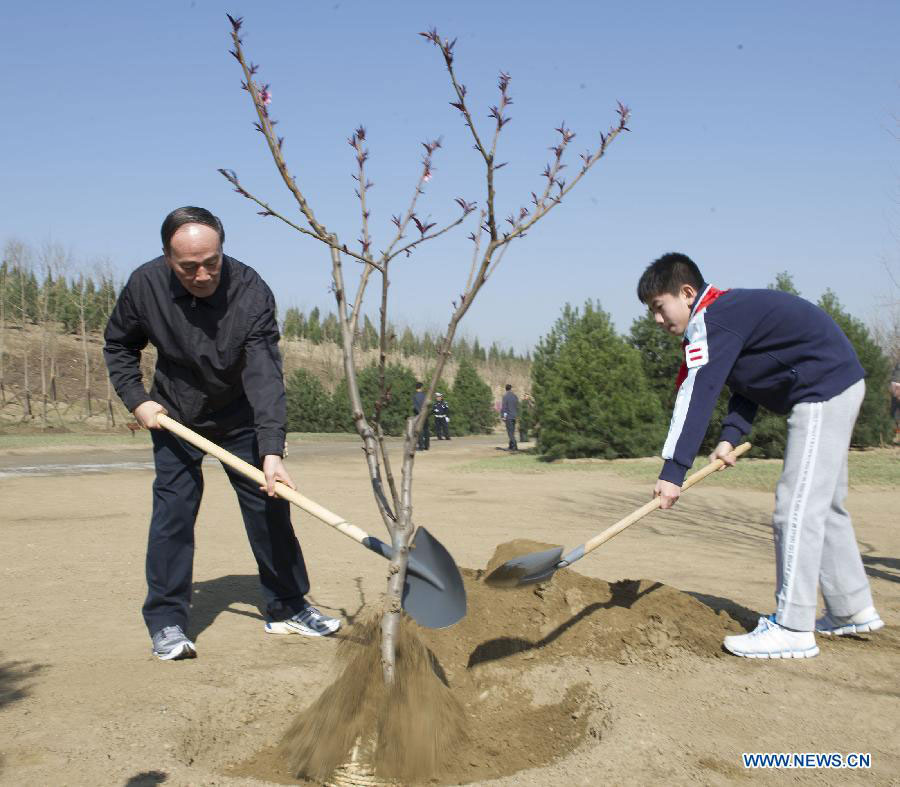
<point x="815" y="545"/>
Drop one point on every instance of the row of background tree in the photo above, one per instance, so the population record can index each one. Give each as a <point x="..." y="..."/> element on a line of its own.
<point x="35" y="293"/>
<point x="599" y="394"/>
<point x="311" y="408"/>
<point x="46" y="295"/>
<point x="319" y="330"/>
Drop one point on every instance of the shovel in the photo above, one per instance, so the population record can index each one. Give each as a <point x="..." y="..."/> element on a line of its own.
<point x="538" y="566"/>
<point x="433" y="595"/>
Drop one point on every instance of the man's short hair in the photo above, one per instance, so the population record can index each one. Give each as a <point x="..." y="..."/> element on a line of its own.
<point x="667" y="275"/>
<point x="418" y="386"/>
<point x="508" y="387"/>
<point x="189" y="215"/>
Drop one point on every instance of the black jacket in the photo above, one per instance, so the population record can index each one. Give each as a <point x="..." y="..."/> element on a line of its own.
<point x="218" y="367"/>
<point x="510" y="405"/>
<point x="418" y="400"/>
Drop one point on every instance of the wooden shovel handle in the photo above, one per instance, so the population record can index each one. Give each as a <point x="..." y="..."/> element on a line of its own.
<point x="255" y="474"/>
<point x="618" y="527"/>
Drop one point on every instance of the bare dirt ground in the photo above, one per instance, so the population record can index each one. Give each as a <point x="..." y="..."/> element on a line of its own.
<point x="575" y="682"/>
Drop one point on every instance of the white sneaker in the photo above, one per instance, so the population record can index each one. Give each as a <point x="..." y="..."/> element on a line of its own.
<point x="770" y="641"/>
<point x="309" y="622"/>
<point x="862" y="622"/>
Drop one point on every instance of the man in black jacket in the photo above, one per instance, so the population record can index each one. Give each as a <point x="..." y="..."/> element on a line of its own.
<point x="212" y="321"/>
<point x="509" y="411"/>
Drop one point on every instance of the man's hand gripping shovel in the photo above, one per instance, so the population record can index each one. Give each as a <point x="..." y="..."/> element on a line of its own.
<point x="433" y="596"/>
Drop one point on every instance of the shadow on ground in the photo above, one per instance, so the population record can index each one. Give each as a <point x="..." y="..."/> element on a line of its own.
<point x="15" y="680"/>
<point x="214" y="596"/>
<point x="743" y="616"/>
<point x="892" y="564"/>
<point x="624" y="594"/>
<point x="147" y="779"/>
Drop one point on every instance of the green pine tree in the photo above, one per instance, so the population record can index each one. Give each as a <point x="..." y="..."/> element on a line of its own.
<point x="471" y="403"/>
<point x="369" y="337"/>
<point x="400" y="384"/>
<point x="874" y="425"/>
<point x="310" y="407"/>
<point x="408" y="343"/>
<point x="293" y="323"/>
<point x="314" y="327"/>
<point x="784" y="282"/>
<point x="591" y="395"/>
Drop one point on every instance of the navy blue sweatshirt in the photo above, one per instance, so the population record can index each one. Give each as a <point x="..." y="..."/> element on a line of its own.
<point x="772" y="349"/>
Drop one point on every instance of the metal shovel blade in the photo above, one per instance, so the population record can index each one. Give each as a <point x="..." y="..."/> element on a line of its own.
<point x="428" y="604"/>
<point x="525" y="569"/>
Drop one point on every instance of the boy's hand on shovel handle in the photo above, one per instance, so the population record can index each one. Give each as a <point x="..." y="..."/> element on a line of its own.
<point x="723" y="451"/>
<point x="667" y="492"/>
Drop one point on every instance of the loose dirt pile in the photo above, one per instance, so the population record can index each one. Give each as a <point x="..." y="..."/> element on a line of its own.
<point x="401" y="731"/>
<point x="481" y="700"/>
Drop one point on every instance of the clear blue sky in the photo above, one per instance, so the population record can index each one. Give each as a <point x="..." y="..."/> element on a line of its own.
<point x="763" y="139"/>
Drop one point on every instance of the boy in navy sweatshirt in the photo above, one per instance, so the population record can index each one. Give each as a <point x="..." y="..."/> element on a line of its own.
<point x="782" y="352"/>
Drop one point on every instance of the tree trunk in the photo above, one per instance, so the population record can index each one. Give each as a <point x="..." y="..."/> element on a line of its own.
<point x="401" y="535"/>
<point x="24" y="312"/>
<point x="43" y="379"/>
<point x="82" y="322"/>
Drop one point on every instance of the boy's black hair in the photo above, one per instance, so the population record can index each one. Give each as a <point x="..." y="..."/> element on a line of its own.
<point x="418" y="386"/>
<point x="668" y="274"/>
<point x="189" y="214"/>
<point x="508" y="387"/>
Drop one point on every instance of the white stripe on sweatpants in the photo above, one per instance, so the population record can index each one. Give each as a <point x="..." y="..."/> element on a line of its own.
<point x="797" y="509"/>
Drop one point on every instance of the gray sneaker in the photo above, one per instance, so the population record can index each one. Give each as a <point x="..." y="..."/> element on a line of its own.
<point x="171" y="644"/>
<point x="309" y="622"/>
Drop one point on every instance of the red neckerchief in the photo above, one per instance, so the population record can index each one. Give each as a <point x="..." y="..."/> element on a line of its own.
<point x="711" y="294"/>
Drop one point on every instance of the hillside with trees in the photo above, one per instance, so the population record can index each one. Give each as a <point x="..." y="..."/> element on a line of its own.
<point x="596" y="393"/>
<point x="52" y="372"/>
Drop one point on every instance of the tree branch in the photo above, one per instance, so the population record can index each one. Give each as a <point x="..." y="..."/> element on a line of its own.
<point x="424" y="177"/>
<point x="410" y="246"/>
<point x="266" y="127"/>
<point x="231" y="177"/>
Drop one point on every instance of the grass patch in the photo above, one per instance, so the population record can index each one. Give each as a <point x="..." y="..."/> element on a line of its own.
<point x="294" y="438"/>
<point x="31" y="438"/>
<point x="879" y="467"/>
<point x="51" y="439"/>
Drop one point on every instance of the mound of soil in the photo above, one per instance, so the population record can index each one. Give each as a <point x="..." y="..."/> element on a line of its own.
<point x="482" y="699"/>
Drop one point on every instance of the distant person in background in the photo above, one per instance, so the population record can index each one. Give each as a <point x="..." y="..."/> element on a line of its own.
<point x="509" y="411"/>
<point x="418" y="403"/>
<point x="441" y="412"/>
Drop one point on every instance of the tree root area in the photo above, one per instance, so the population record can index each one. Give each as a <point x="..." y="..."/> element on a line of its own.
<point x="506" y="689"/>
